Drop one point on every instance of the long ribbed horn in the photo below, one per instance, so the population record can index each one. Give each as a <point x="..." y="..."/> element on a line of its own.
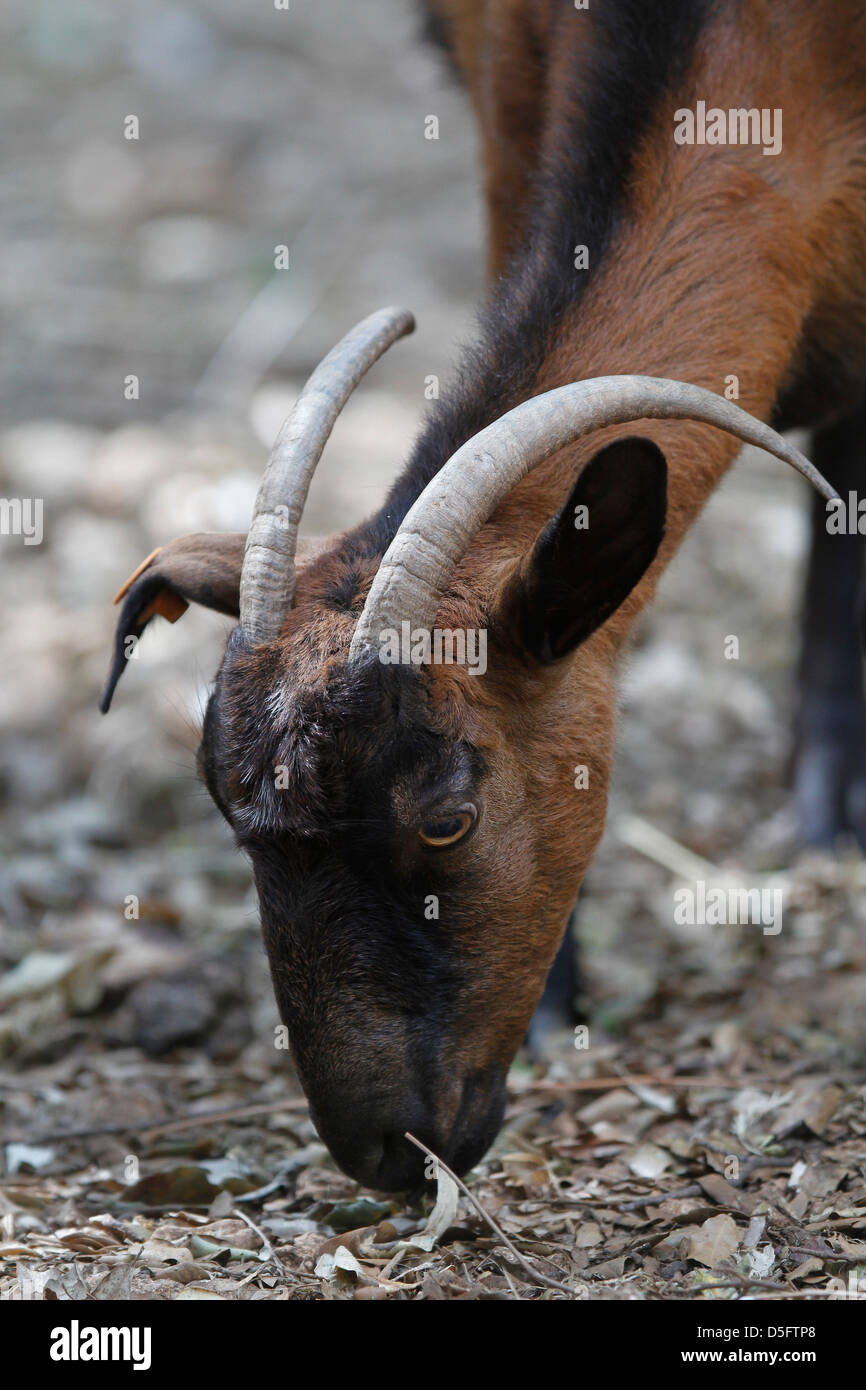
<point x="268" y="574"/>
<point x="437" y="531"/>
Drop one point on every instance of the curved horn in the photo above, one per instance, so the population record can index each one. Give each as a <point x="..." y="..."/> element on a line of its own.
<point x="268" y="575"/>
<point x="439" y="528"/>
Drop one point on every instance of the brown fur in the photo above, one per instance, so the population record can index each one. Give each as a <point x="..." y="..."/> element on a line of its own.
<point x="730" y="262"/>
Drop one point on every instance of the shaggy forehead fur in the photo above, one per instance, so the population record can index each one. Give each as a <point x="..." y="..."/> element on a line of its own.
<point x="299" y="742"/>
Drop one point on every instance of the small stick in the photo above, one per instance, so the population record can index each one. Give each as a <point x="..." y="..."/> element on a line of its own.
<point x="170" y="1124"/>
<point x="269" y="1250"/>
<point x="678" y="1194"/>
<point x="648" y="840"/>
<point x="534" y="1273"/>
<point x="683" y="863"/>
<point x="831" y="1255"/>
<point x="743" y="1282"/>
<point x="607" y="1083"/>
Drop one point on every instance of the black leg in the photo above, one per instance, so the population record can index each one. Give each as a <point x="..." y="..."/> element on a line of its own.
<point x="557" y="1011"/>
<point x="830" y="779"/>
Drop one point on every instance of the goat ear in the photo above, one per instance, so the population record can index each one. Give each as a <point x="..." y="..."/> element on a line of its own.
<point x="203" y="568"/>
<point x="591" y="555"/>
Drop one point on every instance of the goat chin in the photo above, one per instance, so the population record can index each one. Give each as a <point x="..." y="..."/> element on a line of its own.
<point x="367" y="1136"/>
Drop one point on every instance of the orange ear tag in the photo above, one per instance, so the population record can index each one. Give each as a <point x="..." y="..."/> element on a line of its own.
<point x="121" y="593"/>
<point x="167" y="604"/>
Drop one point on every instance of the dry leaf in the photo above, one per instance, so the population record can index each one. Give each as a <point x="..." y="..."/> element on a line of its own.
<point x="443" y="1214"/>
<point x="328" y="1265"/>
<point x="589" y="1234"/>
<point x="649" y="1161"/>
<point x="717" y="1241"/>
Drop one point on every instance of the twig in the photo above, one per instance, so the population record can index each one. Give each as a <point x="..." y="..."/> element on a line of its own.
<point x="750" y="1162"/>
<point x="169" y="1124"/>
<point x="239" y="1112"/>
<point x="831" y="1256"/>
<point x="533" y="1273"/>
<point x="743" y="1282"/>
<point x="648" y="840"/>
<point x="693" y="1190"/>
<point x="269" y="1250"/>
<point x="607" y="1083"/>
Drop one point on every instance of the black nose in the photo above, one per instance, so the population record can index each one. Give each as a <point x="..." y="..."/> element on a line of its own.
<point x="366" y="1135"/>
<point x="367" y="1140"/>
<point x="388" y="1164"/>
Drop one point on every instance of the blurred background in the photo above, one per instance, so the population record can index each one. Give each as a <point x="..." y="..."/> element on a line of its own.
<point x="129" y="925"/>
<point x="154" y="257"/>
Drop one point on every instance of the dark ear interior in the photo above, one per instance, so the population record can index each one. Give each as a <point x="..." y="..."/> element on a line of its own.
<point x="591" y="555"/>
<point x="204" y="568"/>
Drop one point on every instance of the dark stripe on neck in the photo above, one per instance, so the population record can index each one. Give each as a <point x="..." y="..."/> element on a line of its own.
<point x="641" y="50"/>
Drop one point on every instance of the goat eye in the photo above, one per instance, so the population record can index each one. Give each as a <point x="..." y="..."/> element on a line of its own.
<point x="439" y="834"/>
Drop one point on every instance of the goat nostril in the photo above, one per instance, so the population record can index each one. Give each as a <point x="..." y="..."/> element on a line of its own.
<point x="374" y="1153"/>
<point x="400" y="1165"/>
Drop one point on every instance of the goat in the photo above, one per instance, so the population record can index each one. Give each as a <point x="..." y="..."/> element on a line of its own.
<point x="415" y="832"/>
